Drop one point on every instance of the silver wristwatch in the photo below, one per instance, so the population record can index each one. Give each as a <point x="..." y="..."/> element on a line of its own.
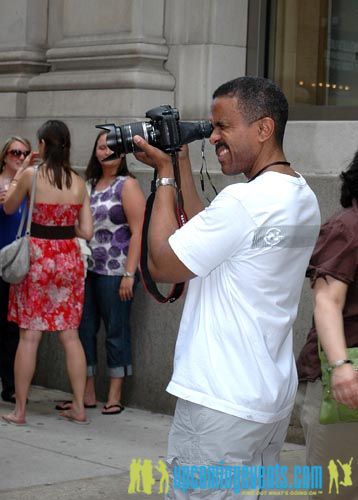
<point x="165" y="181"/>
<point x="338" y="363"/>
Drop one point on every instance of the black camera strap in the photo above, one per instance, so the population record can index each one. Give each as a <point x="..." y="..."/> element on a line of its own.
<point x="177" y="288"/>
<point x="181" y="215"/>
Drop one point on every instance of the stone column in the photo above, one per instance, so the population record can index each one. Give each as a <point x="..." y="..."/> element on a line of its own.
<point x="23" y="33"/>
<point x="207" y="47"/>
<point x="207" y="40"/>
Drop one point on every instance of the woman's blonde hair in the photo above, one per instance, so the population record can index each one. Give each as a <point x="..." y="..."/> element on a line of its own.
<point x="7" y="145"/>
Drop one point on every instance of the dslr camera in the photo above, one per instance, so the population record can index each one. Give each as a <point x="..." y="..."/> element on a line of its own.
<point x="164" y="130"/>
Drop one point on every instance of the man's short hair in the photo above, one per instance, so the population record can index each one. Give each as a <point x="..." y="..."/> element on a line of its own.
<point x="258" y="97"/>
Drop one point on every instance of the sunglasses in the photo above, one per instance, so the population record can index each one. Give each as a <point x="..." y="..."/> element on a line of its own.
<point x="18" y="153"/>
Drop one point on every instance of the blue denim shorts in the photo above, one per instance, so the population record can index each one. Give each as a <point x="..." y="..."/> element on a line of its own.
<point x="102" y="302"/>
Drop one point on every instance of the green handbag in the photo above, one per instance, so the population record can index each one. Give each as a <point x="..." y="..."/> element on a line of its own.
<point x="332" y="412"/>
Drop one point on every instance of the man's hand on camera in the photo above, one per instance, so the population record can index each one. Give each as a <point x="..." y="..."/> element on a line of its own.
<point x="153" y="157"/>
<point x="144" y="158"/>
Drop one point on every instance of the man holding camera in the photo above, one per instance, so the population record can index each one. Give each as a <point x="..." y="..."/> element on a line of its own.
<point x="245" y="258"/>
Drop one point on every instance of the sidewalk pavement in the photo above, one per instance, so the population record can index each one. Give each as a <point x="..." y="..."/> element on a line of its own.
<point x="54" y="459"/>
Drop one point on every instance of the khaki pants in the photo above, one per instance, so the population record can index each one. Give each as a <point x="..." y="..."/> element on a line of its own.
<point x="200" y="436"/>
<point x="334" y="446"/>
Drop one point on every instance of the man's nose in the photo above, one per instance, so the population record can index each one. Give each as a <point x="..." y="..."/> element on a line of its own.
<point x="214" y="137"/>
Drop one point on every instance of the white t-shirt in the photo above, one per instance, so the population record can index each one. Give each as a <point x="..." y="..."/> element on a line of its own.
<point x="249" y="249"/>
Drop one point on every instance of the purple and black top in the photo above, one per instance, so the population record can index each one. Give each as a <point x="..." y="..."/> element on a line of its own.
<point x="111" y="235"/>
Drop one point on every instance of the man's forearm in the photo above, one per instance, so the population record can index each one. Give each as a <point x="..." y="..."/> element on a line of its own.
<point x="163" y="224"/>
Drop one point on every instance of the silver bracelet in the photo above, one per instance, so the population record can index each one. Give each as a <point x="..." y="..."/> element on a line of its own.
<point x="338" y="363"/>
<point x="127" y="274"/>
<point x="165" y="181"/>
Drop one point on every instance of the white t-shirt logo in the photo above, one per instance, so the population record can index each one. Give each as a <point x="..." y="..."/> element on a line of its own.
<point x="273" y="236"/>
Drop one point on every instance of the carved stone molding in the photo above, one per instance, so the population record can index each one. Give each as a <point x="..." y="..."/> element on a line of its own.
<point x="105" y="45"/>
<point x="23" y="38"/>
<point x="127" y="65"/>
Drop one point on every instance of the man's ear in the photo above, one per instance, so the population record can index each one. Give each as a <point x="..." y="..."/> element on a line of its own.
<point x="266" y="127"/>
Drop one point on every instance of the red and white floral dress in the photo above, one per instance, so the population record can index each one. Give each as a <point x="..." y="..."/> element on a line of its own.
<point x="51" y="296"/>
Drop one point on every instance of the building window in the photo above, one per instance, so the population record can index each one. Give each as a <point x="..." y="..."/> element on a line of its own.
<point x="311" y="50"/>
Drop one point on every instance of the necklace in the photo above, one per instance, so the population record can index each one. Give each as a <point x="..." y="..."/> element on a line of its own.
<point x="287" y="163"/>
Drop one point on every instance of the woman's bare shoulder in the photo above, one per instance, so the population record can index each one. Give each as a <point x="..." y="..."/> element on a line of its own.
<point x="131" y="183"/>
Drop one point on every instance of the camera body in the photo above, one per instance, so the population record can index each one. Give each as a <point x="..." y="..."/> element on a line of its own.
<point x="164" y="130"/>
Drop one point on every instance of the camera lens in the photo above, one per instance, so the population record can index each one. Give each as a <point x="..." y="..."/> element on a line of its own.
<point x="164" y="131"/>
<point x="143" y="129"/>
<point x="193" y="131"/>
<point x="120" y="138"/>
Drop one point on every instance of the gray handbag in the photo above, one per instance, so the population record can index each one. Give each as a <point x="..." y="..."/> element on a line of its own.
<point x="15" y="257"/>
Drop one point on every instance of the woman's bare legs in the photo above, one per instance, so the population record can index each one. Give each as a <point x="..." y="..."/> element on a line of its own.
<point x="24" y="369"/>
<point x="76" y="369"/>
<point x="90" y="392"/>
<point x="113" y="404"/>
<point x="115" y="391"/>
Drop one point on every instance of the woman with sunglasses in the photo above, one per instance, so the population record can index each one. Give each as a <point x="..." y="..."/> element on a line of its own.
<point x="12" y="156"/>
<point x="50" y="298"/>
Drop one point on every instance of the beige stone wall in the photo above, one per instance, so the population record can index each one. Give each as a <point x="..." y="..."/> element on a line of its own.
<point x="95" y="61"/>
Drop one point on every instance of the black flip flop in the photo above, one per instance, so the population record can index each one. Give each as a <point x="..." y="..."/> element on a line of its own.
<point x="66" y="405"/>
<point x="8" y="397"/>
<point x="109" y="407"/>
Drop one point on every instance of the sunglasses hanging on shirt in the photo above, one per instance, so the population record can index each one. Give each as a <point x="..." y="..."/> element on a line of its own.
<point x="204" y="164"/>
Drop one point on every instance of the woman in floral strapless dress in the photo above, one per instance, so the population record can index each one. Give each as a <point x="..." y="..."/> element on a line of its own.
<point x="50" y="298"/>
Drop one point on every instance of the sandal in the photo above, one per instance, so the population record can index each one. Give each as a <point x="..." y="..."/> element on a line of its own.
<point x="8" y="397"/>
<point x="118" y="408"/>
<point x="64" y="405"/>
<point x="67" y="405"/>
<point x="11" y="419"/>
<point x="70" y="417"/>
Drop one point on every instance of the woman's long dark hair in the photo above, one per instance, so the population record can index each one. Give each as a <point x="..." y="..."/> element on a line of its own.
<point x="349" y="190"/>
<point x="94" y="171"/>
<point x="57" y="140"/>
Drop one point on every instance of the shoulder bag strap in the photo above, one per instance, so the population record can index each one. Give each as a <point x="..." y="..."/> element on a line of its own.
<point x="29" y="210"/>
<point x="320" y="351"/>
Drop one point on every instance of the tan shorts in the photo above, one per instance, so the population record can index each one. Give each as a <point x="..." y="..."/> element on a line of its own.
<point x="333" y="446"/>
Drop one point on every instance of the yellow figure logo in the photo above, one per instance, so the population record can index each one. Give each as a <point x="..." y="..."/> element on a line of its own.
<point x="347" y="470"/>
<point x="162" y="468"/>
<point x="141" y="477"/>
<point x="134" y="474"/>
<point x="147" y="477"/>
<point x="334" y="475"/>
